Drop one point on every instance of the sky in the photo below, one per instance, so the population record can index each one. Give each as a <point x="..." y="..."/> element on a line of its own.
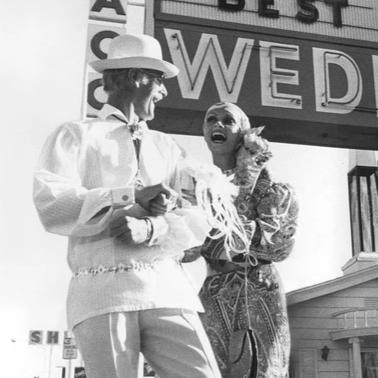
<point x="42" y="76"/>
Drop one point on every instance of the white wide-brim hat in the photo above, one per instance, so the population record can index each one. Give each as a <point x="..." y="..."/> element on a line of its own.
<point x="135" y="51"/>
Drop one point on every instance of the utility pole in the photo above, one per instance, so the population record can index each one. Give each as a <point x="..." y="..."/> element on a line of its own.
<point x="63" y="371"/>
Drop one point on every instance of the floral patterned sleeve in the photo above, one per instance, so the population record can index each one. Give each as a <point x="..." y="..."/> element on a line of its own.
<point x="275" y="212"/>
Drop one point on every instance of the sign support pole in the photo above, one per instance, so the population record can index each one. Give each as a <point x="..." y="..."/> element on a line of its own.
<point x="69" y="368"/>
<point x="50" y="358"/>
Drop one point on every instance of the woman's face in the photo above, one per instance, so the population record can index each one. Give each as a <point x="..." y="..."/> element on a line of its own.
<point x="221" y="129"/>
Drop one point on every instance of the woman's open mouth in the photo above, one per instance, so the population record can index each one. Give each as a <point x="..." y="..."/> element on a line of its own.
<point x="218" y="137"/>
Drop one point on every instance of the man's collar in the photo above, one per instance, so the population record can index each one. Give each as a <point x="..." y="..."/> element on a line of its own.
<point x="136" y="129"/>
<point x="108" y="111"/>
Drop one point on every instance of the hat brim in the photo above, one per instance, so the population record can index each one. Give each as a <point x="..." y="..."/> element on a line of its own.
<point x="169" y="69"/>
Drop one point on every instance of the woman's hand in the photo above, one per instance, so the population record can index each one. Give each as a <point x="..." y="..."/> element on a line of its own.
<point x="254" y="146"/>
<point x="254" y="143"/>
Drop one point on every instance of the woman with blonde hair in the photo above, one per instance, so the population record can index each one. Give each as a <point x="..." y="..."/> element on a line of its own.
<point x="245" y="311"/>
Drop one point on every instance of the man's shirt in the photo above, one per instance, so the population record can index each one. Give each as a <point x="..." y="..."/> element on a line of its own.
<point x="89" y="168"/>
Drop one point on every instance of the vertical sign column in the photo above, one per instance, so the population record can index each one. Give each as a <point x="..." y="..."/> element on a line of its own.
<point x="107" y="19"/>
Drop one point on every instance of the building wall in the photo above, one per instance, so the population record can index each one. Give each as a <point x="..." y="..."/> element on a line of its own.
<point x="311" y="323"/>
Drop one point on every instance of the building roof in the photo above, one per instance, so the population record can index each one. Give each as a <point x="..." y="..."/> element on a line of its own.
<point x="332" y="286"/>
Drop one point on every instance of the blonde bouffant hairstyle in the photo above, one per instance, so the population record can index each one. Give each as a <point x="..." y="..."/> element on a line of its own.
<point x="244" y="120"/>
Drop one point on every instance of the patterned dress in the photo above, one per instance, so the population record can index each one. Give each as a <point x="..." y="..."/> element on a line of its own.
<point x="250" y="299"/>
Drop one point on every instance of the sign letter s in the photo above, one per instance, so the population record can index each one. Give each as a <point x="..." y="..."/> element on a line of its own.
<point x="308" y="13"/>
<point x="35" y="337"/>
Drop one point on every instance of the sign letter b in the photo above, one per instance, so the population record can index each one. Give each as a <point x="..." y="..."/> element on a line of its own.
<point x="233" y="5"/>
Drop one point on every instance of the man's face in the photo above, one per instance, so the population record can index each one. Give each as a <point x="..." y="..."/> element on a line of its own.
<point x="221" y="129"/>
<point x="149" y="91"/>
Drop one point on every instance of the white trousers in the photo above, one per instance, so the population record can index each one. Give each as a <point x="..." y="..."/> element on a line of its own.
<point x="173" y="341"/>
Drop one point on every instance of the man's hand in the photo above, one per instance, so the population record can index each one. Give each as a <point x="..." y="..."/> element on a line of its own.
<point x="161" y="204"/>
<point x="145" y="195"/>
<point x="129" y="230"/>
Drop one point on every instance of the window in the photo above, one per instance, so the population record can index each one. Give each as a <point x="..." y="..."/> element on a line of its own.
<point x="369" y="362"/>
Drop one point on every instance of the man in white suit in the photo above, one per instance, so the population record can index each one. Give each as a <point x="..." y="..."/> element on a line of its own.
<point x="106" y="184"/>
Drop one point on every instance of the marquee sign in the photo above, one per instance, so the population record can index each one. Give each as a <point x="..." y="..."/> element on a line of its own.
<point x="36" y="337"/>
<point x="308" y="70"/>
<point x="106" y="20"/>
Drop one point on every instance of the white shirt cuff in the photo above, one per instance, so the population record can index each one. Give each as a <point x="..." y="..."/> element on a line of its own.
<point x="121" y="197"/>
<point x="159" y="229"/>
